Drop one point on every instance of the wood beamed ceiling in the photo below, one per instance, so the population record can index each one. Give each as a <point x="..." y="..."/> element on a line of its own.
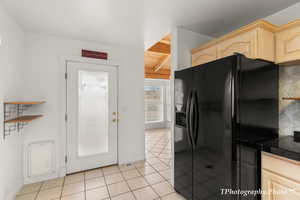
<point x="158" y="59"/>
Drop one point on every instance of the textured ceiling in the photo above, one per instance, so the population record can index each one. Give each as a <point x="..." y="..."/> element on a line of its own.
<point x="137" y="22"/>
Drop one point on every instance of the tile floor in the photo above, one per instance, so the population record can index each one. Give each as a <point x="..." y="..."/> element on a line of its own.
<point x="144" y="180"/>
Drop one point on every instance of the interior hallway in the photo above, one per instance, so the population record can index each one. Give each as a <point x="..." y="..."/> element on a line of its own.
<point x="144" y="180"/>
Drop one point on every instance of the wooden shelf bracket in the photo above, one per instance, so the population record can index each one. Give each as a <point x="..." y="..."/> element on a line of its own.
<point x="14" y="120"/>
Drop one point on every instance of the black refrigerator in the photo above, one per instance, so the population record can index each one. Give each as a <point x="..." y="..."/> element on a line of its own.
<point x="223" y="110"/>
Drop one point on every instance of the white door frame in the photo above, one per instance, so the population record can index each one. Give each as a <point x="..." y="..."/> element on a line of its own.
<point x="62" y="144"/>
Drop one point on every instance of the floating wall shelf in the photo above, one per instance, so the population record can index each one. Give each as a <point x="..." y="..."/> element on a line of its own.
<point x="25" y="102"/>
<point x="291" y="98"/>
<point x="14" y="120"/>
<point x="25" y="118"/>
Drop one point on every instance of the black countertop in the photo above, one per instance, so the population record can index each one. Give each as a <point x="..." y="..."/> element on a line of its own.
<point x="283" y="146"/>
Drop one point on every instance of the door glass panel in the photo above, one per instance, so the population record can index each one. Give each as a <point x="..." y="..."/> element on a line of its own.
<point x="153" y="103"/>
<point x="92" y="112"/>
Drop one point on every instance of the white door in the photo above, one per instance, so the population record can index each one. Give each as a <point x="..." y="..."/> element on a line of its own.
<point x="91" y="116"/>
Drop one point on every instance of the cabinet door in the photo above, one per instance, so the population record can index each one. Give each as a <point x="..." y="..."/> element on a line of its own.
<point x="277" y="187"/>
<point x="288" y="45"/>
<point x="204" y="56"/>
<point x="245" y="44"/>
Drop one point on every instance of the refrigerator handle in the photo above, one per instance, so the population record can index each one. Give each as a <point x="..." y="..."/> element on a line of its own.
<point x="195" y="117"/>
<point x="187" y="114"/>
<point x="191" y="118"/>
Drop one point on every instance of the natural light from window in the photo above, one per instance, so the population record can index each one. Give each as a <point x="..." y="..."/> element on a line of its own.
<point x="154" y="110"/>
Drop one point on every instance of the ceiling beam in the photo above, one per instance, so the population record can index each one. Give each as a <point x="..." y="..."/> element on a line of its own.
<point x="167" y="37"/>
<point x="149" y="70"/>
<point x="165" y="42"/>
<point x="161" y="48"/>
<point x="158" y="76"/>
<point x="162" y="63"/>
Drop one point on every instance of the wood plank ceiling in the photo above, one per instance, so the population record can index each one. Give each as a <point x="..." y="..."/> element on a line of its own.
<point x="158" y="59"/>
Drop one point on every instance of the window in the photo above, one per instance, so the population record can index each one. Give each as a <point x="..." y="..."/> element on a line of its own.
<point x="154" y="109"/>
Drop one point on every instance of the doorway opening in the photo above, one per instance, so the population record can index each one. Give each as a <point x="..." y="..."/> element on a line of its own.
<point x="157" y="96"/>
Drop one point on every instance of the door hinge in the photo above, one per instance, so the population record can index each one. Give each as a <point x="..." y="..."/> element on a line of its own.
<point x="66" y="159"/>
<point x="66" y="117"/>
<point x="66" y="75"/>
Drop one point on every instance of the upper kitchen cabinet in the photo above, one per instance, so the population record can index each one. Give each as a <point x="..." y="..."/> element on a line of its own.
<point x="256" y="40"/>
<point x="245" y="43"/>
<point x="204" y="55"/>
<point x="288" y="43"/>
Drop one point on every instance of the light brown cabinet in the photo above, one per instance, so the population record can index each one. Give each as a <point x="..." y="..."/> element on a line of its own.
<point x="255" y="40"/>
<point x="258" y="40"/>
<point x="280" y="178"/>
<point x="288" y="43"/>
<point x="204" y="56"/>
<point x="245" y="44"/>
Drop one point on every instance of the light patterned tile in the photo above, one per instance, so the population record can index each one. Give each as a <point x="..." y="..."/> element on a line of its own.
<point x="154" y="178"/>
<point x="172" y="196"/>
<point x="146" y="193"/>
<point x="30" y="196"/>
<point x="149" y="155"/>
<point x="157" y="149"/>
<point x="156" y="154"/>
<point x="97" y="194"/>
<point x="118" y="188"/>
<point x="77" y="196"/>
<point x="110" y="170"/>
<point x="94" y="183"/>
<point x="49" y="194"/>
<point x="153" y="160"/>
<point x="164" y="156"/>
<point x="158" y="158"/>
<point x="166" y="174"/>
<point x="114" y="178"/>
<point x="146" y="170"/>
<point x="53" y="183"/>
<point x="30" y="188"/>
<point x="140" y="164"/>
<point x="163" y="188"/>
<point x="73" y="188"/>
<point x="126" y="196"/>
<point x="93" y="174"/>
<point x="131" y="174"/>
<point x="160" y="145"/>
<point x="160" y="166"/>
<point x="74" y="178"/>
<point x="137" y="183"/>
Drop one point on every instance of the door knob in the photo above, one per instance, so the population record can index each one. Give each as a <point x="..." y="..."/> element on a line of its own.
<point x="114" y="120"/>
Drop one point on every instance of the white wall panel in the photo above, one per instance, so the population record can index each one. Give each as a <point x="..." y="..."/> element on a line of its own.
<point x="40" y="159"/>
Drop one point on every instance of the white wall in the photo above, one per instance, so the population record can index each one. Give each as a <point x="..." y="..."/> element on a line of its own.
<point x="11" y="87"/>
<point x="183" y="41"/>
<point x="44" y="81"/>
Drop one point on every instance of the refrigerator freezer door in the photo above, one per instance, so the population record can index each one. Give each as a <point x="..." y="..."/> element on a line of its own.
<point x="213" y="160"/>
<point x="183" y="149"/>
